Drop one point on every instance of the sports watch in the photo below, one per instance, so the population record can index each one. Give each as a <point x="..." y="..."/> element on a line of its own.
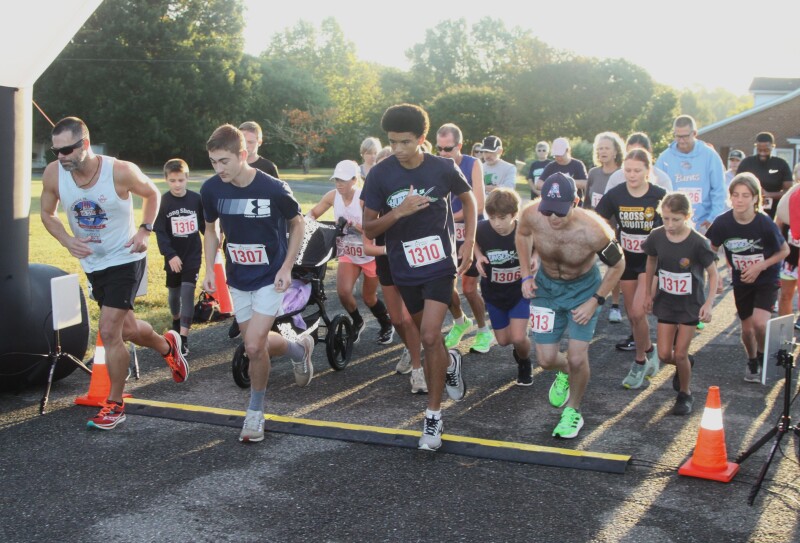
<point x="600" y="299"/>
<point x="147" y="226"/>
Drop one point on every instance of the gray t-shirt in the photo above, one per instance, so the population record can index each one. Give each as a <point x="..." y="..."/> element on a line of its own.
<point x="596" y="186"/>
<point x="502" y="174"/>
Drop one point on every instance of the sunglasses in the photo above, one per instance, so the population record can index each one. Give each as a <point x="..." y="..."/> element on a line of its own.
<point x="68" y="149"/>
<point x="549" y="213"/>
<point x="446" y="149"/>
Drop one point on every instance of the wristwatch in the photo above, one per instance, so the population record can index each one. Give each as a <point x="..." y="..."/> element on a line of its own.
<point x="600" y="299"/>
<point x="147" y="226"/>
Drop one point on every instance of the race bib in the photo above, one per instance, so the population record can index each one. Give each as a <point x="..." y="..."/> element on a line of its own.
<point x="742" y="262"/>
<point x="506" y="275"/>
<point x="184" y="226"/>
<point x="679" y="284"/>
<point x="543" y="319"/>
<point x="461" y="231"/>
<point x="248" y="254"/>
<point x="632" y="242"/>
<point x="351" y="249"/>
<point x="695" y="195"/>
<point x="424" y="251"/>
<point x="596" y="197"/>
<point x="766" y="203"/>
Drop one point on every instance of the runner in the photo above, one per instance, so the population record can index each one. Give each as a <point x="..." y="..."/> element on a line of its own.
<point x="754" y="248"/>
<point x="633" y="206"/>
<point x="407" y="196"/>
<point x="567" y="291"/>
<point x="678" y="254"/>
<point x="255" y="212"/>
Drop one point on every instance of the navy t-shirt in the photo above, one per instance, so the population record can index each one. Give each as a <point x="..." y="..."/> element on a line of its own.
<point x="502" y="286"/>
<point x="747" y="243"/>
<point x="254" y="221"/>
<point x="178" y="226"/>
<point x="421" y="246"/>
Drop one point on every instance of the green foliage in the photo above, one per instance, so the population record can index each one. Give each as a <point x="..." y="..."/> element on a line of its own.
<point x="478" y="111"/>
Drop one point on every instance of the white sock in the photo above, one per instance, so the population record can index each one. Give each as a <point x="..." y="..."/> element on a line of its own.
<point x="434" y="414"/>
<point x="485" y="328"/>
<point x="459" y="320"/>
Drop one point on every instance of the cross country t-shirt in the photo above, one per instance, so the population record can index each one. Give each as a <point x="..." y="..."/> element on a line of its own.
<point x="502" y="286"/>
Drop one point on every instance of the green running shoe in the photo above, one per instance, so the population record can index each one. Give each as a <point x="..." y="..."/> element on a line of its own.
<point x="483" y="342"/>
<point x="570" y="424"/>
<point x="455" y="334"/>
<point x="635" y="376"/>
<point x="559" y="390"/>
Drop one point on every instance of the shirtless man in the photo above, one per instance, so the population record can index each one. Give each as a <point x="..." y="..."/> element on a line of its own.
<point x="567" y="291"/>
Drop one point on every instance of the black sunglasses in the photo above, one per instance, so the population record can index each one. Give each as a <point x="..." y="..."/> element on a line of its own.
<point x="557" y="214"/>
<point x="68" y="149"/>
<point x="446" y="149"/>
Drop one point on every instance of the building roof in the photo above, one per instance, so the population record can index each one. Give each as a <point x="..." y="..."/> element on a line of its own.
<point x="752" y="111"/>
<point x="774" y="84"/>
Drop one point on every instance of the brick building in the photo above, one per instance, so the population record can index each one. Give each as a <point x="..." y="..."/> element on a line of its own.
<point x="781" y="116"/>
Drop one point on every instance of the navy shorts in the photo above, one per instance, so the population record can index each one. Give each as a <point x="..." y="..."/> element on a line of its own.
<point x="438" y="290"/>
<point x="501" y="318"/>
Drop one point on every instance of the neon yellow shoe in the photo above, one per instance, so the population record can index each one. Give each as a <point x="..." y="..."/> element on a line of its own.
<point x="455" y="334"/>
<point x="483" y="342"/>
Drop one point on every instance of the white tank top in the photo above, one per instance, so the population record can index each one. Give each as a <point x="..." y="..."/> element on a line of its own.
<point x="100" y="217"/>
<point x="352" y="244"/>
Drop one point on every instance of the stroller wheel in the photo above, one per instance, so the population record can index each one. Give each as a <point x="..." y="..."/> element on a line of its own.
<point x="240" y="366"/>
<point x="339" y="342"/>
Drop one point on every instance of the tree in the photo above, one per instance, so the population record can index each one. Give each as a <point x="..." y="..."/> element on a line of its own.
<point x="478" y="112"/>
<point x="306" y="132"/>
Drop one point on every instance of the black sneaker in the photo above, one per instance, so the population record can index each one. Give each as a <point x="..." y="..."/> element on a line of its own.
<point x="524" y="378"/>
<point x="626" y="344"/>
<point x="386" y="334"/>
<point x="676" y="382"/>
<point x="683" y="404"/>
<point x="357" y="330"/>
<point x="233" y="331"/>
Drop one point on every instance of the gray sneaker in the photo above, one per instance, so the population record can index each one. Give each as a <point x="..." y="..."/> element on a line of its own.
<point x="253" y="429"/>
<point x="418" y="384"/>
<point x="404" y="364"/>
<point x="753" y="372"/>
<point x="431" y="438"/>
<point x="651" y="364"/>
<point x="304" y="369"/>
<point x="635" y="376"/>
<point x="614" y="315"/>
<point x="454" y="382"/>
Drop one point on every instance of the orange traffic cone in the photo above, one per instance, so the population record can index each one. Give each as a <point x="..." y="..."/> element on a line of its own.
<point x="100" y="384"/>
<point x="222" y="294"/>
<point x="710" y="459"/>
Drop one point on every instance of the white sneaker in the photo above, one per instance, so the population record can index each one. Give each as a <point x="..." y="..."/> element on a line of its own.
<point x="304" y="369"/>
<point x="418" y="384"/>
<point x="253" y="429"/>
<point x="404" y="364"/>
<point x="454" y="382"/>
<point x="431" y="438"/>
<point x="614" y="315"/>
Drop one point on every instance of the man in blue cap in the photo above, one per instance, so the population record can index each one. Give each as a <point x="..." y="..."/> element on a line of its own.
<point x="567" y="291"/>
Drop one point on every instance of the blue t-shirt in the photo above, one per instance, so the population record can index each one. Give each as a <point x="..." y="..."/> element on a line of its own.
<point x="421" y="246"/>
<point x="502" y="286"/>
<point x="747" y="243"/>
<point x="254" y="221"/>
<point x="467" y="163"/>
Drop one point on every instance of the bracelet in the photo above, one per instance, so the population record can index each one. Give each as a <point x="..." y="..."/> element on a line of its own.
<point x="526" y="278"/>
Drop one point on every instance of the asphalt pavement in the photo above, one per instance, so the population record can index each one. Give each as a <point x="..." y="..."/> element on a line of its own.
<point x="155" y="479"/>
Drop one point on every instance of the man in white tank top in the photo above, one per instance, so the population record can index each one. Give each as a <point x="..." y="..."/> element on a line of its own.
<point x="96" y="194"/>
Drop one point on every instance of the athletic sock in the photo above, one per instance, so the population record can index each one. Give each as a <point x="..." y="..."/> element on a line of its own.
<point x="257" y="400"/>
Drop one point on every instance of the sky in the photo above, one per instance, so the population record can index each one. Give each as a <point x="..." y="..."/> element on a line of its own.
<point x="682" y="44"/>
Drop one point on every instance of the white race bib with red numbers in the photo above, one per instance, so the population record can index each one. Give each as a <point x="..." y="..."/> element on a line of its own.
<point x="184" y="226"/>
<point x="461" y="231"/>
<point x="679" y="284"/>
<point x="694" y="194"/>
<point x="248" y="254"/>
<point x="543" y="319"/>
<point x="424" y="251"/>
<point x="506" y="275"/>
<point x="742" y="262"/>
<point x="351" y="249"/>
<point x="632" y="242"/>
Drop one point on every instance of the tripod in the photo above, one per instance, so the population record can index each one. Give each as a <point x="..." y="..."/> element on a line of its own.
<point x="53" y="357"/>
<point x="783" y="426"/>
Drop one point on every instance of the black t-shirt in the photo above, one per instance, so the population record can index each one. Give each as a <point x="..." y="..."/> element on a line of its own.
<point x="420" y="247"/>
<point x="635" y="216"/>
<point x="746" y="244"/>
<point x="771" y="173"/>
<point x="266" y="166"/>
<point x="502" y="286"/>
<point x="178" y="226"/>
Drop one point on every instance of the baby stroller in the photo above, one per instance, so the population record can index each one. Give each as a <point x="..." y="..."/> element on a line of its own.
<point x="304" y="302"/>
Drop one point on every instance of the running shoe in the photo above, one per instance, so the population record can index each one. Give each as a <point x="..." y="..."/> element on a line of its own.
<point x="357" y="330"/>
<point x="683" y="404"/>
<point x="559" y="390"/>
<point x="570" y="424"/>
<point x="753" y="372"/>
<point x="676" y="382"/>
<point x="454" y="381"/>
<point x="184" y="345"/>
<point x="403" y="366"/>
<point x="524" y="377"/>
<point x="253" y="428"/>
<point x="455" y="334"/>
<point x="614" y="315"/>
<point x="418" y="384"/>
<point x="304" y="369"/>
<point x="233" y="330"/>
<point x="174" y="358"/>
<point x="483" y="342"/>
<point x="626" y="344"/>
<point x="111" y="414"/>
<point x="651" y="364"/>
<point x="635" y="376"/>
<point x="386" y="334"/>
<point x="431" y="438"/>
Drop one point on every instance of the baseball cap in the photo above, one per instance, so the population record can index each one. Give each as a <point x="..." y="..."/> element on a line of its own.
<point x="558" y="194"/>
<point x="560" y="147"/>
<point x="736" y="153"/>
<point x="345" y="170"/>
<point x="491" y="144"/>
